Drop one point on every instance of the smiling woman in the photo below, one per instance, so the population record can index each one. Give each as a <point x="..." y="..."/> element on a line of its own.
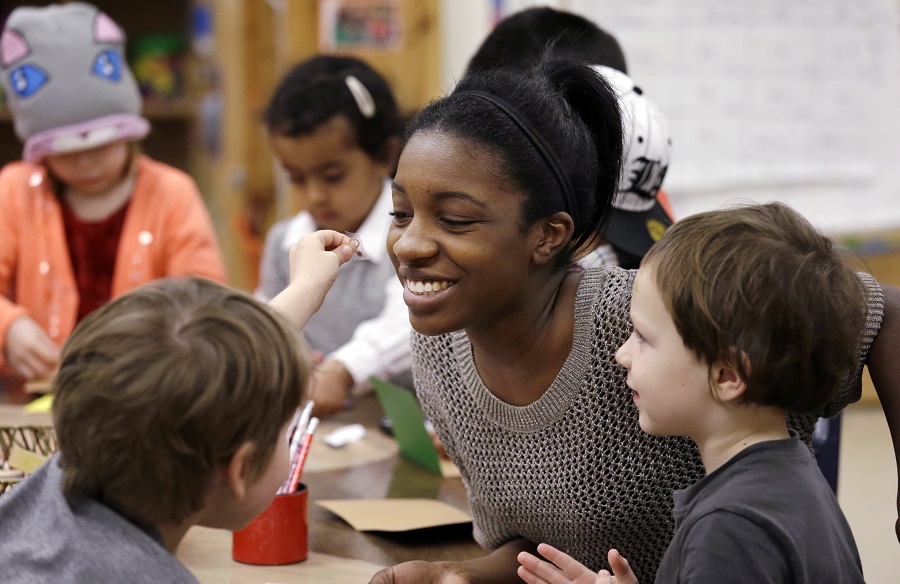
<point x="497" y="188"/>
<point x="452" y="279"/>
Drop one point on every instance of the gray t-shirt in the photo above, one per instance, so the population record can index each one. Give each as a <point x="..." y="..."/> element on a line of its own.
<point x="574" y="469"/>
<point x="47" y="537"/>
<point x="766" y="515"/>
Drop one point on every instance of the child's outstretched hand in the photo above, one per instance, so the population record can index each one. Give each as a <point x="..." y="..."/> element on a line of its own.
<point x="315" y="260"/>
<point x="567" y="570"/>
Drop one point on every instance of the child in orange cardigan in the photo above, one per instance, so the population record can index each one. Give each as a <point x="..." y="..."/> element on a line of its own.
<point x="84" y="217"/>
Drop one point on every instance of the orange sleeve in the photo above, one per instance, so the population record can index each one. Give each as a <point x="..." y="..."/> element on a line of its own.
<point x="9" y="244"/>
<point x="193" y="248"/>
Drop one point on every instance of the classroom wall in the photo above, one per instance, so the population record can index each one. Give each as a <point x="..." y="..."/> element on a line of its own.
<point x="767" y="100"/>
<point x="465" y="23"/>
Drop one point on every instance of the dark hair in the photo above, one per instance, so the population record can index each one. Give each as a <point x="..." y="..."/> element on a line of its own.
<point x="576" y="113"/>
<point x="758" y="287"/>
<point x="160" y="387"/>
<point x="520" y="40"/>
<point x="315" y="91"/>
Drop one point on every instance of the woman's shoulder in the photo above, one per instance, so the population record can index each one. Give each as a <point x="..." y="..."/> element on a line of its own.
<point x="606" y="285"/>
<point x="602" y="306"/>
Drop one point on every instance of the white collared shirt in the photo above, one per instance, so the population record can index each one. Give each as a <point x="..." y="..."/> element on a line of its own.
<point x="379" y="346"/>
<point x="602" y="255"/>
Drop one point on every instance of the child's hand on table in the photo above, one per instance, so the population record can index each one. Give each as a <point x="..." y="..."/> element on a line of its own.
<point x="30" y="352"/>
<point x="329" y="387"/>
<point x="567" y="570"/>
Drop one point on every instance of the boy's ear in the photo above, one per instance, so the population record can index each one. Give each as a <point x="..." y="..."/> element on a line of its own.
<point x="237" y="469"/>
<point x="555" y="232"/>
<point x="727" y="381"/>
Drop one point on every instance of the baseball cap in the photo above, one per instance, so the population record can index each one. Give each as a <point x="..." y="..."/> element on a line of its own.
<point x="66" y="80"/>
<point x="638" y="219"/>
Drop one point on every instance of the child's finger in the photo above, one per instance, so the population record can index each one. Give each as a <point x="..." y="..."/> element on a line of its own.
<point x="534" y="570"/>
<point x="332" y="239"/>
<point x="537" y="570"/>
<point x="328" y="240"/>
<point x="344" y="251"/>
<point x="529" y="577"/>
<point x="569" y="565"/>
<point x="620" y="568"/>
<point x="339" y="243"/>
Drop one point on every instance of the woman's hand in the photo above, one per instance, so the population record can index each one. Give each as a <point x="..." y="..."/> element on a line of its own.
<point x="419" y="572"/>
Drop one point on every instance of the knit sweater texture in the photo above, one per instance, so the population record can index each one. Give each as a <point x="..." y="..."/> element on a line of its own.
<point x="573" y="468"/>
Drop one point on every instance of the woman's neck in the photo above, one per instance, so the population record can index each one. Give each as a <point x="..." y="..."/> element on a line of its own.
<point x="520" y="355"/>
<point x="97" y="207"/>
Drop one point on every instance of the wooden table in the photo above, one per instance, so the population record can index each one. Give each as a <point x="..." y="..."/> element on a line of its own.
<point x="338" y="553"/>
<point x="15" y="415"/>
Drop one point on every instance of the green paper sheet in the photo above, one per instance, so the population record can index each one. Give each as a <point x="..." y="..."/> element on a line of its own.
<point x="408" y="424"/>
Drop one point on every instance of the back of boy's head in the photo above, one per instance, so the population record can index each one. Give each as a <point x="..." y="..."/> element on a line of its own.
<point x="758" y="287"/>
<point x="320" y="88"/>
<point x="519" y="40"/>
<point x="159" y="388"/>
<point x="66" y="80"/>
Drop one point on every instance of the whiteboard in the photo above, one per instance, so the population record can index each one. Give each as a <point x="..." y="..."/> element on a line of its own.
<point x="790" y="100"/>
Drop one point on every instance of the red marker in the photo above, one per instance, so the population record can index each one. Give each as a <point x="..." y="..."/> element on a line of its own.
<point x="301" y="460"/>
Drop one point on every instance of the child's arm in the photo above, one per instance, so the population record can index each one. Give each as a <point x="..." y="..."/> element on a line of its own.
<point x="379" y="346"/>
<point x="25" y="348"/>
<point x="315" y="260"/>
<point x="567" y="570"/>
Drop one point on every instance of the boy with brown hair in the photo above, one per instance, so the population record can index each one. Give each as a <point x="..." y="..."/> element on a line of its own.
<point x="171" y="408"/>
<point x="741" y="316"/>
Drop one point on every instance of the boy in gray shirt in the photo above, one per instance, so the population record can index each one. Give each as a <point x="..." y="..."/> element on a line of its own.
<point x="740" y="317"/>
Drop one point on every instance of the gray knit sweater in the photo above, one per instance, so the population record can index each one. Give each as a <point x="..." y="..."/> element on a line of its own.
<point x="573" y="469"/>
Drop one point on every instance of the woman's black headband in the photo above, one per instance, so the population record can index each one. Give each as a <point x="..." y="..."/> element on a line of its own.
<point x="542" y="146"/>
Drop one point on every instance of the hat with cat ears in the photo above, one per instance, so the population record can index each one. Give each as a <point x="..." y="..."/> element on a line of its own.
<point x="66" y="80"/>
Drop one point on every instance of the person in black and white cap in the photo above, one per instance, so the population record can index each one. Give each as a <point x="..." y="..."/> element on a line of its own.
<point x="638" y="219"/>
<point x="642" y="212"/>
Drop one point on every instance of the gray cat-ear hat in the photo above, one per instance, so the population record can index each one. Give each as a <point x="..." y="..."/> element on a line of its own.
<point x="66" y="80"/>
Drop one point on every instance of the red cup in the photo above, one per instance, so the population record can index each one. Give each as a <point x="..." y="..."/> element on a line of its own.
<point x="277" y="536"/>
